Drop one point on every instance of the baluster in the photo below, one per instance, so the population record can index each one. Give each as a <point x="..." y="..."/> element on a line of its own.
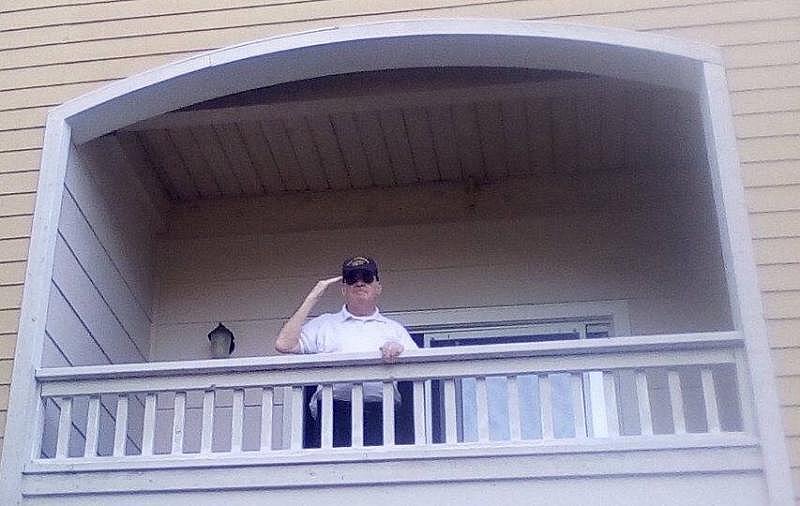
<point x="482" y="403"/>
<point x="710" y="399"/>
<point x="326" y="435"/>
<point x="121" y="426"/>
<point x="451" y="424"/>
<point x="546" y="406"/>
<point x="643" y="399"/>
<point x="357" y="416"/>
<point x="92" y="426"/>
<point x="420" y="436"/>
<point x="745" y="392"/>
<point x="267" y="399"/>
<point x="514" y="418"/>
<point x="149" y="424"/>
<point x="237" y="420"/>
<point x="64" y="427"/>
<point x="578" y="407"/>
<point x="178" y="422"/>
<point x="610" y="394"/>
<point x="207" y="433"/>
<point x="676" y="400"/>
<point x="296" y="435"/>
<point x="388" y="413"/>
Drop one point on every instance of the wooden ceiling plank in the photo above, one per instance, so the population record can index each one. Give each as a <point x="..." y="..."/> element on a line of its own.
<point x="239" y="158"/>
<point x="635" y="126"/>
<point x="398" y="146"/>
<point x="306" y="153"/>
<point x="210" y="149"/>
<point x="284" y="154"/>
<point x="515" y="134"/>
<point x="586" y="130"/>
<point x="420" y="138"/>
<point x="612" y="129"/>
<point x="163" y="155"/>
<point x="444" y="138"/>
<point x="374" y="142"/>
<point x="154" y="187"/>
<point x="365" y="102"/>
<point x="330" y="154"/>
<point x="468" y="142"/>
<point x="355" y="157"/>
<point x="564" y="141"/>
<point x="490" y="128"/>
<point x="202" y="174"/>
<point x="538" y="114"/>
<point x="260" y="154"/>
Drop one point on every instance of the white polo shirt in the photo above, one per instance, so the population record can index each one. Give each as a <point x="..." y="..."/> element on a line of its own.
<point x="344" y="332"/>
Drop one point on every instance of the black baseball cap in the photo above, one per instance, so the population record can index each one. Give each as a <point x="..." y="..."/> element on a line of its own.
<point x="360" y="263"/>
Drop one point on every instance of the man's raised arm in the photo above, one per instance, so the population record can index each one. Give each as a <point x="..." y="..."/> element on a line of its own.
<point x="288" y="340"/>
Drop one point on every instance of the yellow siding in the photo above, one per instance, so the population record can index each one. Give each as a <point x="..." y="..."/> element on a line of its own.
<point x="54" y="50"/>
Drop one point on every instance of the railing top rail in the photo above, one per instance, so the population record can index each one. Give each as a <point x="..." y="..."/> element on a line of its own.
<point x="666" y="342"/>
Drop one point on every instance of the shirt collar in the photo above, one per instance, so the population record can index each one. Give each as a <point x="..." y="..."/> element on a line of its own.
<point x="344" y="314"/>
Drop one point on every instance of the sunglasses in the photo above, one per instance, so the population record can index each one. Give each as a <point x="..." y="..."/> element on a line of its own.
<point x="351" y="278"/>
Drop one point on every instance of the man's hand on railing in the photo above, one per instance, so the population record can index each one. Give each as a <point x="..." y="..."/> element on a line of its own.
<point x="390" y="351"/>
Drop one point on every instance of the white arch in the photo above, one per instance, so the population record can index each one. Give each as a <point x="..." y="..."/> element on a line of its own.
<point x="603" y="51"/>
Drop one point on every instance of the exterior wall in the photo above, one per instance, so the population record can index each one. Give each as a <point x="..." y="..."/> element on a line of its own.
<point x="54" y="52"/>
<point x="437" y="252"/>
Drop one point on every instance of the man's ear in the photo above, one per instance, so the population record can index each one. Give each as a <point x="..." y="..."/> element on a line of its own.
<point x="378" y="287"/>
<point x="342" y="288"/>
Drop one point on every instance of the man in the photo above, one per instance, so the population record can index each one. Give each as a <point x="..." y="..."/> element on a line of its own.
<point x="358" y="327"/>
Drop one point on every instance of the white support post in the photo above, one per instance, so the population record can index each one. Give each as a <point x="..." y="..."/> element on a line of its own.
<point x="326" y="431"/>
<point x="676" y="401"/>
<point x="578" y="406"/>
<point x="121" y="426"/>
<point x="743" y="288"/>
<point x="450" y="414"/>
<point x="610" y="394"/>
<point x="92" y="427"/>
<point x="207" y="430"/>
<point x="388" y="413"/>
<point x="237" y="420"/>
<point x="178" y="422"/>
<point x="710" y="400"/>
<point x="546" y="406"/>
<point x="149" y="424"/>
<point x="296" y="434"/>
<point x="357" y="416"/>
<point x="643" y="401"/>
<point x="745" y="391"/>
<point x="64" y="427"/>
<point x="38" y="432"/>
<point x="420" y="436"/>
<point x="482" y="404"/>
<point x="267" y="399"/>
<point x="514" y="417"/>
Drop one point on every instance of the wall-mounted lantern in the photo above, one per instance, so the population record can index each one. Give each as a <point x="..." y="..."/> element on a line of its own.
<point x="222" y="344"/>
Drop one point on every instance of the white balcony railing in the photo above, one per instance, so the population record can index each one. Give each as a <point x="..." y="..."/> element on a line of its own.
<point x="661" y="390"/>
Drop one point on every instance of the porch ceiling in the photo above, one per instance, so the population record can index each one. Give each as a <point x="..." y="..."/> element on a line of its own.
<point x="397" y="128"/>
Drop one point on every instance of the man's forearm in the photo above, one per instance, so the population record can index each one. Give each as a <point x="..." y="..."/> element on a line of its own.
<point x="288" y="340"/>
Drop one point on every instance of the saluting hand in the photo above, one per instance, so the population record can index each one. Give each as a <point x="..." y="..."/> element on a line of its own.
<point x="319" y="289"/>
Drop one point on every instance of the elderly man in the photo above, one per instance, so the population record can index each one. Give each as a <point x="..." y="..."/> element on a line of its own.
<point x="358" y="327"/>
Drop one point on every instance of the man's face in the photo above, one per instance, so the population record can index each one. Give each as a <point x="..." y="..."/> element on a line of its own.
<point x="359" y="293"/>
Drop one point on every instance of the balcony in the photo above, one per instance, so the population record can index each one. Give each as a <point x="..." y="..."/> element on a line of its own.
<point x="672" y="406"/>
<point x="550" y="199"/>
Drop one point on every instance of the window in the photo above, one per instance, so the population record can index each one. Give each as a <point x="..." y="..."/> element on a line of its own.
<point x="528" y="385"/>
